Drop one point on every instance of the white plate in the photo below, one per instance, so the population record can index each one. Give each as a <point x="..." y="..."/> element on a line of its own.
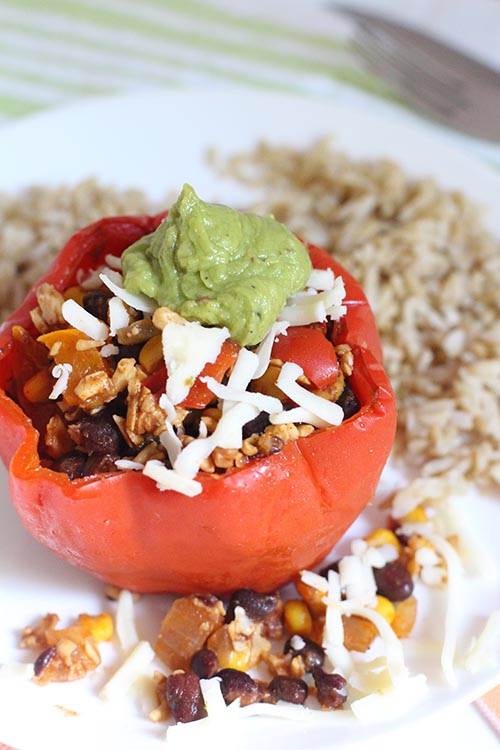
<point x="157" y="141"/>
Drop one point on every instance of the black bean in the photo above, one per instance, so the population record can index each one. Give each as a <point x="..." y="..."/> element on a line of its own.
<point x="237" y="684"/>
<point x="273" y="624"/>
<point x="311" y="653"/>
<point x="289" y="689"/>
<point x="256" y="426"/>
<point x="96" y="303"/>
<point x="129" y="351"/>
<point x="403" y="538"/>
<point x="44" y="660"/>
<point x="191" y="423"/>
<point x="183" y="694"/>
<point x="349" y="402"/>
<point x="393" y="581"/>
<point x="204" y="663"/>
<point x="328" y="687"/>
<point x="97" y="434"/>
<point x="73" y="464"/>
<point x="257" y="606"/>
<point x="99" y="463"/>
<point x="330" y="329"/>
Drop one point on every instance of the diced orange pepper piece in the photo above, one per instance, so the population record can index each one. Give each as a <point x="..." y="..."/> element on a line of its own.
<point x="404" y="619"/>
<point x="83" y="362"/>
<point x="185" y="628"/>
<point x="358" y="633"/>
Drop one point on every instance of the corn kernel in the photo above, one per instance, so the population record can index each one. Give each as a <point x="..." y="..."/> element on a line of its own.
<point x="151" y="354"/>
<point x="238" y="660"/>
<point x="228" y="656"/>
<point x="76" y="293"/>
<point x="379" y="537"/>
<point x="297" y="617"/>
<point x="385" y="608"/>
<point x="417" y="515"/>
<point x="100" y="626"/>
<point x="38" y="388"/>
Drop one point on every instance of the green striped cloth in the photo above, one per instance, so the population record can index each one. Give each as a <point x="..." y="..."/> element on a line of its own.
<point x="54" y="51"/>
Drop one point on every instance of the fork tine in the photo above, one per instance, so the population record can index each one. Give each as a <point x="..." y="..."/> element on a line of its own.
<point x="422" y="89"/>
<point x="414" y="75"/>
<point x="437" y="73"/>
<point x="433" y="77"/>
<point x="425" y="45"/>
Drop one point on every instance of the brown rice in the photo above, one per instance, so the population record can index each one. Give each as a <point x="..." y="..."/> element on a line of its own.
<point x="429" y="266"/>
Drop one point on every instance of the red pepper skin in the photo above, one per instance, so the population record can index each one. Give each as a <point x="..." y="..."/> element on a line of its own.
<point x="252" y="527"/>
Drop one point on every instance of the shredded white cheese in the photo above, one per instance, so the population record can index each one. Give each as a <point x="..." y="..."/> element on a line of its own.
<point x="328" y="411"/>
<point x="484" y="652"/>
<point x="242" y="373"/>
<point x="297" y="642"/>
<point x="77" y="317"/>
<point x="357" y="580"/>
<point x="168" y="479"/>
<point x="167" y="407"/>
<point x="310" y="578"/>
<point x="114" y="282"/>
<point x="125" y="621"/>
<point x="333" y="634"/>
<point x="118" y="315"/>
<point x="303" y="309"/>
<point x="227" y="434"/>
<point x="62" y="373"/>
<point x="453" y="589"/>
<point x="90" y="279"/>
<point x="264" y="349"/>
<point x="109" y="350"/>
<point x="321" y="279"/>
<point x="392" y="645"/>
<point x="113" y="261"/>
<point x="134" y="667"/>
<point x="215" y="704"/>
<point x="124" y="464"/>
<point x="269" y="404"/>
<point x="171" y="442"/>
<point x="298" y="415"/>
<point x="187" y="348"/>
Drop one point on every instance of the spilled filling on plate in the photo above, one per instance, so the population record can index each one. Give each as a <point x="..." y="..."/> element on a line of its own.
<point x="333" y="643"/>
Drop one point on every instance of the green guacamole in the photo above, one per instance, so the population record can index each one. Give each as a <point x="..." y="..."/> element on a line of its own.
<point x="218" y="266"/>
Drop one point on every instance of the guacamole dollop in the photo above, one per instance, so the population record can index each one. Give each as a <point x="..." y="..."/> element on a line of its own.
<point x="218" y="266"/>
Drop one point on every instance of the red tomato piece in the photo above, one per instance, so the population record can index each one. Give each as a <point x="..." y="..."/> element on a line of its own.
<point x="199" y="395"/>
<point x="310" y="349"/>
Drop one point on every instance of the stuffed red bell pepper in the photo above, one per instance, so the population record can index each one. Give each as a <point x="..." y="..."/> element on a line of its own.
<point x="193" y="403"/>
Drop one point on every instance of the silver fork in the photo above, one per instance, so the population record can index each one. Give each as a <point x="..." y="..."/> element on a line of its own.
<point x="434" y="78"/>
